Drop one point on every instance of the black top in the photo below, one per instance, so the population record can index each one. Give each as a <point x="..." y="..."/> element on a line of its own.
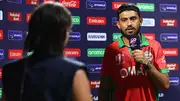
<point x="40" y="78"/>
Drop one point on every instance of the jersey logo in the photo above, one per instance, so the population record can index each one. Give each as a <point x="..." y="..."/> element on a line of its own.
<point x="148" y="55"/>
<point x="163" y="60"/>
<point x="132" y="71"/>
<point x="133" y="40"/>
<point x="118" y="58"/>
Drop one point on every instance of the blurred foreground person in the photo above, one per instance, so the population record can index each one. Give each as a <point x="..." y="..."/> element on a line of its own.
<point x="46" y="75"/>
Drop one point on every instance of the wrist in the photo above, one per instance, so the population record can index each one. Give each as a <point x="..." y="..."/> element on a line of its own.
<point x="146" y="61"/>
<point x="147" y="65"/>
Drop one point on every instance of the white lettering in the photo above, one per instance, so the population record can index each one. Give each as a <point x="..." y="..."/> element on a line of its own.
<point x="95" y="52"/>
<point x="15" y="54"/>
<point x="16" y="19"/>
<point x="171" y="66"/>
<point x="14" y="14"/>
<point x="34" y="2"/>
<point x="169" y="52"/>
<point x="117" y="5"/>
<point x="76" y="20"/>
<point x="17" y="35"/>
<point x="96" y="21"/>
<point x="132" y="71"/>
<point x="122" y="71"/>
<point x="72" y="52"/>
<point x="69" y="4"/>
<point x="146" y="7"/>
<point x="95" y="82"/>
<point x="173" y="8"/>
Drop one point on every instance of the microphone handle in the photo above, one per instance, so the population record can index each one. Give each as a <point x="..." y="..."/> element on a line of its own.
<point x="138" y="65"/>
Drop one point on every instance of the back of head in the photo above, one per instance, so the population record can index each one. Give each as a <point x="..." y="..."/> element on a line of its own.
<point x="48" y="27"/>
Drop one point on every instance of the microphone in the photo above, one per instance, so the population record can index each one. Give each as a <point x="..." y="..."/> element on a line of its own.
<point x="135" y="43"/>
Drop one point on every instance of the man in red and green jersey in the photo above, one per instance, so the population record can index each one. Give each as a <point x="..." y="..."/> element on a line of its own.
<point x="121" y="78"/>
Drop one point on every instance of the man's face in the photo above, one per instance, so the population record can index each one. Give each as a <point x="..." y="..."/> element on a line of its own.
<point x="129" y="22"/>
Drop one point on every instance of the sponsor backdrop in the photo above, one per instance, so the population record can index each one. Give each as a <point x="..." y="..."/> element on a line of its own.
<point x="94" y="29"/>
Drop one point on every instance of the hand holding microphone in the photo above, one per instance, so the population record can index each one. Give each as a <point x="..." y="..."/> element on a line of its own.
<point x="139" y="56"/>
<point x="137" y="53"/>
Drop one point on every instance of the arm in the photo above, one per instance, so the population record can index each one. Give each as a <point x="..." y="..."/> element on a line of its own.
<point x="81" y="88"/>
<point x="158" y="72"/>
<point x="160" y="80"/>
<point x="106" y="86"/>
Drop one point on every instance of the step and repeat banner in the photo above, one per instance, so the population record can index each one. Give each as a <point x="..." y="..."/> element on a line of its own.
<point x="94" y="29"/>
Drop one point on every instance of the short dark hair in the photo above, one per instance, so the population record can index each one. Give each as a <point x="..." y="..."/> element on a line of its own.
<point x="128" y="7"/>
<point x="47" y="27"/>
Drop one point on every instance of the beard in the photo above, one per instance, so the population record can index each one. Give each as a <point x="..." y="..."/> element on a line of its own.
<point x="132" y="35"/>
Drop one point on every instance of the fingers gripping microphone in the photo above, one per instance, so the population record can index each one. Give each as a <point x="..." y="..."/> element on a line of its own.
<point x="135" y="43"/>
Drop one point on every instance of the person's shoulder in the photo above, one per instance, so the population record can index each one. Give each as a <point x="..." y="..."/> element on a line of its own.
<point x="73" y="62"/>
<point x="113" y="45"/>
<point x="112" y="48"/>
<point x="76" y="64"/>
<point x="154" y="43"/>
<point x="11" y="65"/>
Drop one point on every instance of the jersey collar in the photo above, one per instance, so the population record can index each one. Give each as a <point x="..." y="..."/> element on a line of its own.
<point x="143" y="38"/>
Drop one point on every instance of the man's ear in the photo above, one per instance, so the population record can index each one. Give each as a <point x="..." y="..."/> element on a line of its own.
<point x="141" y="20"/>
<point x="118" y="25"/>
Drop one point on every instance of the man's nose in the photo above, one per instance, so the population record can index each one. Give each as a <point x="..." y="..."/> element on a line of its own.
<point x="129" y="22"/>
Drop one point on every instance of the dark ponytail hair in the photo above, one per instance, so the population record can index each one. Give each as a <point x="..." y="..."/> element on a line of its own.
<point x="47" y="28"/>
